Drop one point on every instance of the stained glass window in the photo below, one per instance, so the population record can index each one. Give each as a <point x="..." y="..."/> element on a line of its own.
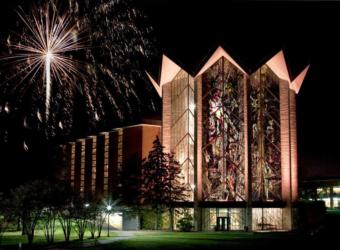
<point x="265" y="130"/>
<point x="223" y="137"/>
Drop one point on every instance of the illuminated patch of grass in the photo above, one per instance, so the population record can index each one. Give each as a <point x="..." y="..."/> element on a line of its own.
<point x="192" y="240"/>
<point x="14" y="238"/>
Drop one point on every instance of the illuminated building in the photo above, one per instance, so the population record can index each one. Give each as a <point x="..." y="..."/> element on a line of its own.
<point x="234" y="134"/>
<point x="326" y="189"/>
<point x="94" y="163"/>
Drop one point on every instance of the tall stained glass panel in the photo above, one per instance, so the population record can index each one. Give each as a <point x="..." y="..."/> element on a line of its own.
<point x="223" y="133"/>
<point x="265" y="141"/>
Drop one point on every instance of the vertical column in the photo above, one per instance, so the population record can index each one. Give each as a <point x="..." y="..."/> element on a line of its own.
<point x="72" y="153"/>
<point x="120" y="150"/>
<point x="100" y="166"/>
<point x="247" y="152"/>
<point x="113" y="155"/>
<point x="94" y="165"/>
<point x="285" y="154"/>
<point x="77" y="167"/>
<point x="88" y="167"/>
<point x="82" y="168"/>
<point x="293" y="146"/>
<point x="106" y="165"/>
<point x="166" y="117"/>
<point x="198" y="154"/>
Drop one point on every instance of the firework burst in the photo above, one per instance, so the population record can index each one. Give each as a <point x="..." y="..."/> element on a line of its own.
<point x="42" y="51"/>
<point x="47" y="86"/>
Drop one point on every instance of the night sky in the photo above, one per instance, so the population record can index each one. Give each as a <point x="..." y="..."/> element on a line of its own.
<point x="251" y="32"/>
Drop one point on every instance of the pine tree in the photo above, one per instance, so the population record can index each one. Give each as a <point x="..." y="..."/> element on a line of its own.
<point x="177" y="190"/>
<point x="161" y="182"/>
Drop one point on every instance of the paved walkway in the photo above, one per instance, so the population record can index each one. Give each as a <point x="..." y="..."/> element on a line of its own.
<point x="121" y="235"/>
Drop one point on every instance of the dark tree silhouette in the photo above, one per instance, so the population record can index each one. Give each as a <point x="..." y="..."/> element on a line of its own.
<point x="6" y="215"/>
<point x="178" y="192"/>
<point x="161" y="182"/>
<point x="28" y="205"/>
<point x="40" y="200"/>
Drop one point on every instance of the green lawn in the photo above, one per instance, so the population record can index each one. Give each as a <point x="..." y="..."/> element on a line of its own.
<point x="152" y="240"/>
<point x="335" y="211"/>
<point x="220" y="240"/>
<point x="14" y="238"/>
<point x="209" y="241"/>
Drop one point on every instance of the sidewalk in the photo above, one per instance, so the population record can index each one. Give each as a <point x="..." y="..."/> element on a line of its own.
<point x="121" y="235"/>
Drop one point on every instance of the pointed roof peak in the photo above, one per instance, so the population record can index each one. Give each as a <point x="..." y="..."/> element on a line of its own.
<point x="155" y="85"/>
<point x="279" y="66"/>
<point x="169" y="70"/>
<point x="297" y="82"/>
<point x="219" y="52"/>
<point x="277" y="63"/>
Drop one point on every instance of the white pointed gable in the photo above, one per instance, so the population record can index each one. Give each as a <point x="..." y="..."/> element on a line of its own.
<point x="169" y="70"/>
<point x="278" y="65"/>
<point x="155" y="85"/>
<point x="219" y="52"/>
<point x="297" y="82"/>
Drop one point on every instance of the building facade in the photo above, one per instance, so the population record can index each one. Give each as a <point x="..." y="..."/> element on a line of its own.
<point x="326" y="189"/>
<point x="94" y="164"/>
<point x="234" y="134"/>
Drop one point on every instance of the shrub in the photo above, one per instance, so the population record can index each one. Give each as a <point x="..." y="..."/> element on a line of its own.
<point x="186" y="223"/>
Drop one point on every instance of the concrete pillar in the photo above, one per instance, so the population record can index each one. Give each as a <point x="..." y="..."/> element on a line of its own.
<point x="166" y="117"/>
<point x="88" y="167"/>
<point x="71" y="163"/>
<point x="293" y="146"/>
<point x="94" y="165"/>
<point x="286" y="175"/>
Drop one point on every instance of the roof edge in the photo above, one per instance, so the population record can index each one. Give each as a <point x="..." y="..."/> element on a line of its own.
<point x="218" y="53"/>
<point x="169" y="70"/>
<point x="155" y="85"/>
<point x="297" y="82"/>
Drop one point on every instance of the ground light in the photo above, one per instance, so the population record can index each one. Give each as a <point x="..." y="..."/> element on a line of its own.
<point x="108" y="208"/>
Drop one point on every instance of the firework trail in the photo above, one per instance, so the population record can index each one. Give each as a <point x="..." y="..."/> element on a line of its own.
<point x="121" y="45"/>
<point x="110" y="39"/>
<point x="44" y="47"/>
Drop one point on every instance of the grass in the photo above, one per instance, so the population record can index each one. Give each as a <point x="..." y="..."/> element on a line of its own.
<point x="14" y="238"/>
<point x="152" y="240"/>
<point x="218" y="241"/>
<point x="335" y="211"/>
<point x="208" y="241"/>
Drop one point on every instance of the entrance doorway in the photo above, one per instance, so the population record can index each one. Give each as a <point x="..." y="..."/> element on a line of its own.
<point x="223" y="224"/>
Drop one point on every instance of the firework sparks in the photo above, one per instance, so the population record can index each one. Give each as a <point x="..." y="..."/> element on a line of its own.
<point x="6" y="108"/>
<point x="48" y="58"/>
<point x="44" y="47"/>
<point x="46" y="82"/>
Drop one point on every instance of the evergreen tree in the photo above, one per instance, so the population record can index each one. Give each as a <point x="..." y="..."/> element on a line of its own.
<point x="177" y="189"/>
<point x="161" y="182"/>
